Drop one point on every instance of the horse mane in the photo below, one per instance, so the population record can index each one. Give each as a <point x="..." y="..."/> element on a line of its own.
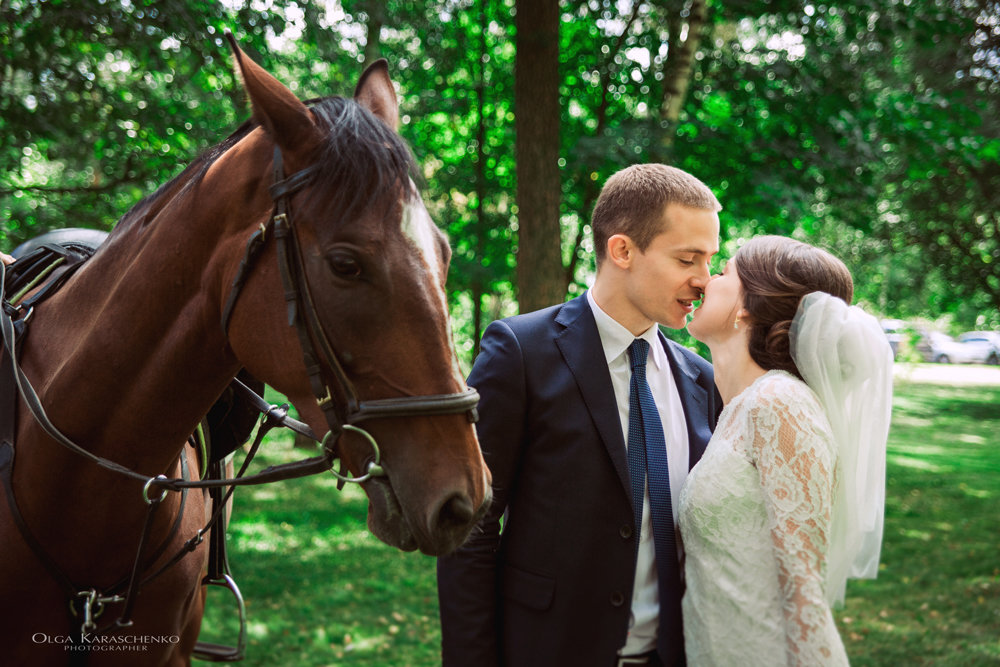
<point x="361" y="161"/>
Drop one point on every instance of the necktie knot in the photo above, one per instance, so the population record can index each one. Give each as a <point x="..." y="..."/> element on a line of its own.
<point x="638" y="351"/>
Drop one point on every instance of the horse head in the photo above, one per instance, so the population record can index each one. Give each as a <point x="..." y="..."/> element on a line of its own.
<point x="371" y="270"/>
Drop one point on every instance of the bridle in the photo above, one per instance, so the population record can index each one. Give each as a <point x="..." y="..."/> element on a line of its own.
<point x="303" y="316"/>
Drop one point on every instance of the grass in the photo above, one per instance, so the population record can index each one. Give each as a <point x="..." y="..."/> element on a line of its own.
<point x="937" y="598"/>
<point x="319" y="588"/>
<point x="322" y="591"/>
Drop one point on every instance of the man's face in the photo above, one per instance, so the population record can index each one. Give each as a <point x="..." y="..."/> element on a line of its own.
<point x="672" y="272"/>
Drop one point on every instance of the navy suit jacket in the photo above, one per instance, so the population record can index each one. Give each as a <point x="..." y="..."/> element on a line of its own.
<point x="554" y="587"/>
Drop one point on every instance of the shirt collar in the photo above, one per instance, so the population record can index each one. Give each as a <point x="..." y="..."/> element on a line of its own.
<point x="616" y="339"/>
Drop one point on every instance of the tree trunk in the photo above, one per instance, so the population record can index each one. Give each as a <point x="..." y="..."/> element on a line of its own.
<point x="678" y="65"/>
<point x="540" y="271"/>
<point x="376" y="17"/>
<point x="481" y="223"/>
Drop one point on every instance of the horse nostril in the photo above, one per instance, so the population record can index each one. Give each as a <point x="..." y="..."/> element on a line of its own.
<point x="456" y="513"/>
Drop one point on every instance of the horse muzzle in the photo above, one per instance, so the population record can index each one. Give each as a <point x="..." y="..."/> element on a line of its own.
<point x="438" y="531"/>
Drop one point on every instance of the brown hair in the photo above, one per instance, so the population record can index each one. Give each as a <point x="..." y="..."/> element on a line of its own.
<point x="775" y="273"/>
<point x="633" y="200"/>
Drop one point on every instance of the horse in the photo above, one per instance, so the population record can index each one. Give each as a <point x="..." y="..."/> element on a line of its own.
<point x="298" y="249"/>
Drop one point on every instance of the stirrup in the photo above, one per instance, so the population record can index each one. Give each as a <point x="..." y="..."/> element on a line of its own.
<point x="219" y="652"/>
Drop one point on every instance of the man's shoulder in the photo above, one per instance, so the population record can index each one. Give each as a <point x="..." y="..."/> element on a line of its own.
<point x="545" y="318"/>
<point x="526" y="341"/>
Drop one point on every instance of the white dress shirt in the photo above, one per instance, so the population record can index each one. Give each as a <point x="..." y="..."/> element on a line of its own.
<point x="616" y="339"/>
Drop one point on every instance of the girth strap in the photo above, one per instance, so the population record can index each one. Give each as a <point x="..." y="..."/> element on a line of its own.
<point x="131" y="585"/>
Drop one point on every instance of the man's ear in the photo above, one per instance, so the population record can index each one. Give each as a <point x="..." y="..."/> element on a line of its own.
<point x="621" y="250"/>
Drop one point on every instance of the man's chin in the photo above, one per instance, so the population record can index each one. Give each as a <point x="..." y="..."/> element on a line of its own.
<point x="675" y="321"/>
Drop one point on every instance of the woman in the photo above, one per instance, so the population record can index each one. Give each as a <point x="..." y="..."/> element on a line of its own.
<point x="787" y="500"/>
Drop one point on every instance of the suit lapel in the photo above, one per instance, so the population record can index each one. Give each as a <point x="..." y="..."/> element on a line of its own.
<point x="580" y="345"/>
<point x="694" y="401"/>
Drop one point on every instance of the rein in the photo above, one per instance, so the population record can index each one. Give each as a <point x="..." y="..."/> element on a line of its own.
<point x="88" y="603"/>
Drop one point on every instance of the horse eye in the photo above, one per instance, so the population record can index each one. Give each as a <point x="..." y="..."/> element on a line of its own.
<point x="344" y="265"/>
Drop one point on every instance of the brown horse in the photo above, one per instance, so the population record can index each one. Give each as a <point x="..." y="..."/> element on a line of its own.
<point x="129" y="355"/>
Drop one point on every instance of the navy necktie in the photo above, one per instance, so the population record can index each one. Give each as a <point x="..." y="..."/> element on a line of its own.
<point x="647" y="459"/>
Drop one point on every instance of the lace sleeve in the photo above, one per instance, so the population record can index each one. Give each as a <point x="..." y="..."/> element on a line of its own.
<point x="794" y="457"/>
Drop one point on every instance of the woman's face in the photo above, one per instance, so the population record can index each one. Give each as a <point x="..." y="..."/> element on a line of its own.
<point x="714" y="318"/>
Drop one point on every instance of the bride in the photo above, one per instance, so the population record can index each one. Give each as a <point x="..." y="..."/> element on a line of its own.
<point x="787" y="501"/>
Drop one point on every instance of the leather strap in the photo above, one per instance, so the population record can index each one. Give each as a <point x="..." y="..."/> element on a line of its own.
<point x="253" y="249"/>
<point x="218" y="561"/>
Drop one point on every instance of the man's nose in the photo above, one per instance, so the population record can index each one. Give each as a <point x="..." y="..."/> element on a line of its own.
<point x="702" y="276"/>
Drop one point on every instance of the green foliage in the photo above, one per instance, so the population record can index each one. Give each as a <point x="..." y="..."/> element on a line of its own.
<point x="101" y="102"/>
<point x="869" y="128"/>
<point x="454" y="64"/>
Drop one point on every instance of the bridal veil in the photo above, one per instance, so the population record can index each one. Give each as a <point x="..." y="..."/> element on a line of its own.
<point x="844" y="356"/>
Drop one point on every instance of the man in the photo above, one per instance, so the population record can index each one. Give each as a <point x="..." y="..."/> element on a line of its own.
<point x="564" y="582"/>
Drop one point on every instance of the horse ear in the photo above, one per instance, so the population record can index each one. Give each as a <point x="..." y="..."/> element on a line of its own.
<point x="283" y="115"/>
<point x="375" y="93"/>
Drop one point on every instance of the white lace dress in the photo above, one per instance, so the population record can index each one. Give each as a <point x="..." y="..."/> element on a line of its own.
<point x="754" y="519"/>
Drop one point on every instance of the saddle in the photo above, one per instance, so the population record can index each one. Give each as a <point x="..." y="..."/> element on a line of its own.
<point x="49" y="265"/>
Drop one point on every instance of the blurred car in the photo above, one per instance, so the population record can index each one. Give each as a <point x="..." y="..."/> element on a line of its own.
<point x="894" y="334"/>
<point x="987" y="344"/>
<point x="943" y="349"/>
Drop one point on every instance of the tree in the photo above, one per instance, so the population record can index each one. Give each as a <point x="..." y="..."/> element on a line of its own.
<point x="95" y="105"/>
<point x="540" y="275"/>
<point x="942" y="186"/>
<point x="869" y="128"/>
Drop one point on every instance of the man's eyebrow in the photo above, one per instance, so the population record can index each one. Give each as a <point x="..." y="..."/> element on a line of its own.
<point x="696" y="251"/>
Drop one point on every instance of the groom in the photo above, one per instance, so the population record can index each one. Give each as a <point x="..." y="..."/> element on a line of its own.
<point x="564" y="569"/>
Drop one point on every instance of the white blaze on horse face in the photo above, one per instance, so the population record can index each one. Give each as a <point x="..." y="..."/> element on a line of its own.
<point x="419" y="228"/>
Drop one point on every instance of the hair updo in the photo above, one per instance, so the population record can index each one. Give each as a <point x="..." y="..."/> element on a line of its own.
<point x="775" y="273"/>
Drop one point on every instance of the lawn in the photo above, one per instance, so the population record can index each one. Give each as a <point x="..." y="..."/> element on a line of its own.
<point x="937" y="598"/>
<point x="321" y="590"/>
